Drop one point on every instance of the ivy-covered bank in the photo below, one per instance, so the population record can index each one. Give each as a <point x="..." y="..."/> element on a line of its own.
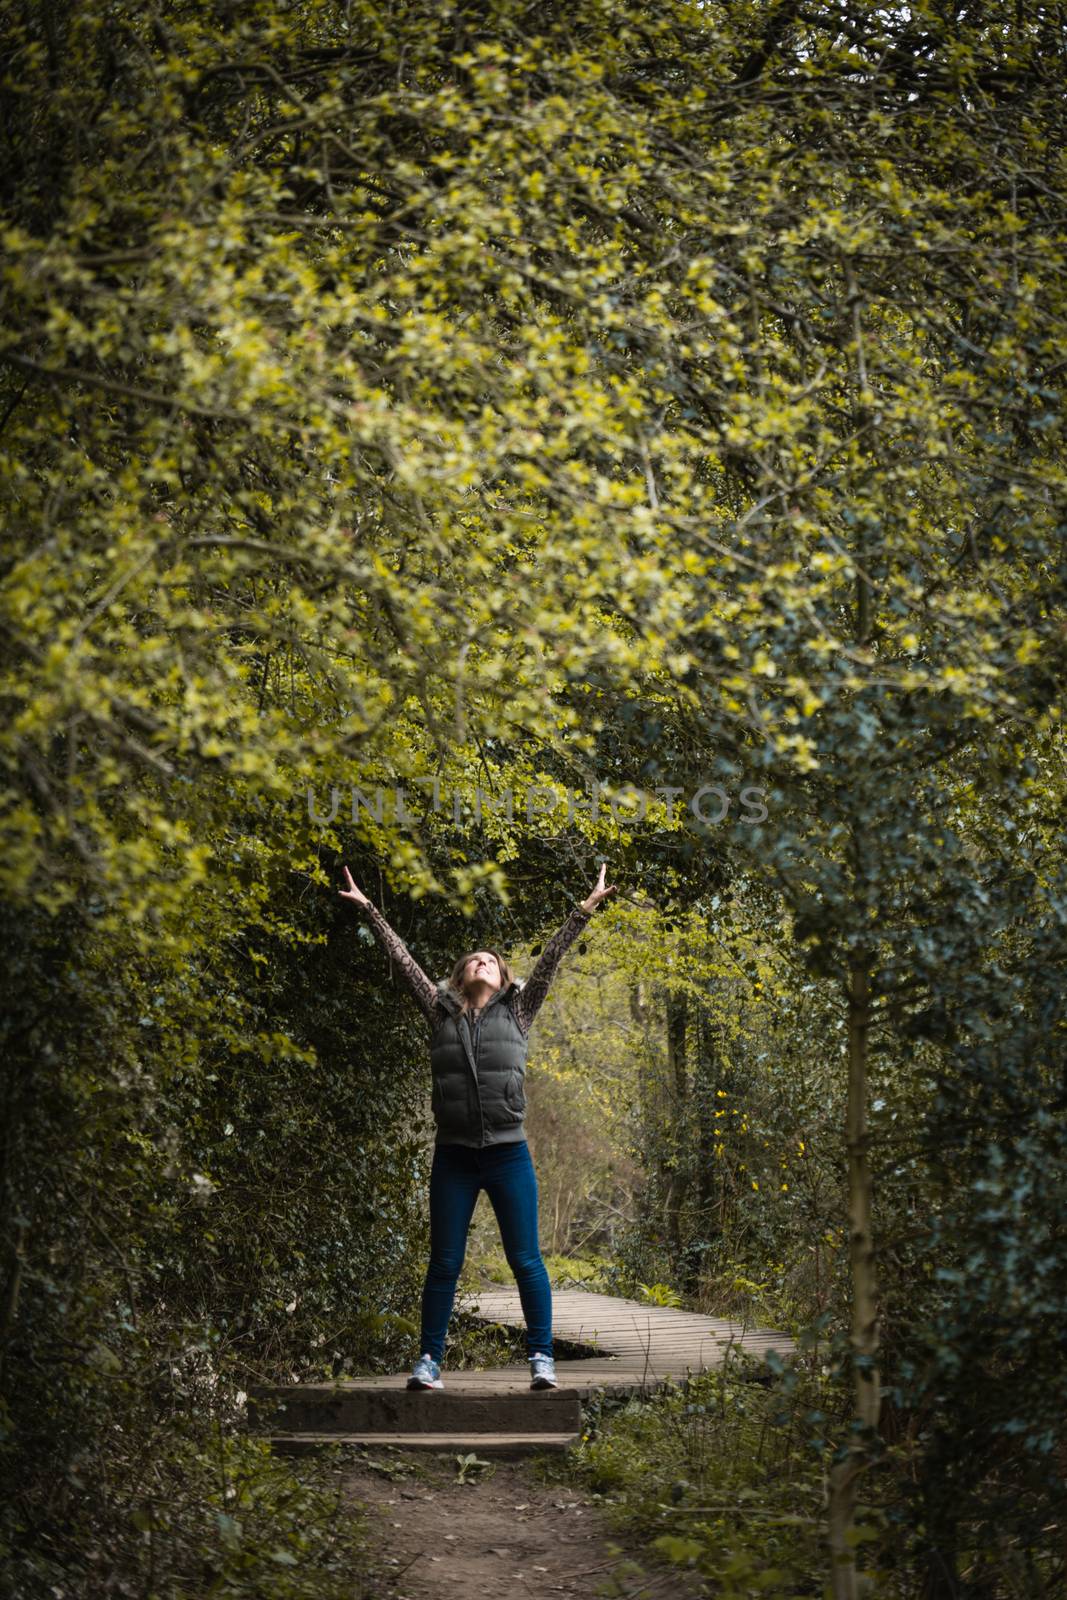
<point x="527" y="420"/>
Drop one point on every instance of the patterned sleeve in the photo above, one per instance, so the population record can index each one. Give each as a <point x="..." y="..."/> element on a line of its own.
<point x="530" y="998"/>
<point x="422" y="987"/>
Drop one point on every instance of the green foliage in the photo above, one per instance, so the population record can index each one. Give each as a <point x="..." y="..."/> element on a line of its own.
<point x="657" y="396"/>
<point x="203" y="1512"/>
<point x="586" y="1272"/>
<point x="726" y="1475"/>
<point x="470" y="1468"/>
<point x="658" y="1294"/>
<point x="719" y="1474"/>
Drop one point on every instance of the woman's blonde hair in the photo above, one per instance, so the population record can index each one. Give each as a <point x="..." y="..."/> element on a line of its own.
<point x="455" y="981"/>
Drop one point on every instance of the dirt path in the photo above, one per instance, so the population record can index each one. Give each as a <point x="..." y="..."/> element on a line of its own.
<point x="503" y="1534"/>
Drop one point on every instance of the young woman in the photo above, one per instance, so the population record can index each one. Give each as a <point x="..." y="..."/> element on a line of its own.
<point x="479" y="1020"/>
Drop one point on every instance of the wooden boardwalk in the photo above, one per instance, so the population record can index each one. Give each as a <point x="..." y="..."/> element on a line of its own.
<point x="638" y="1348"/>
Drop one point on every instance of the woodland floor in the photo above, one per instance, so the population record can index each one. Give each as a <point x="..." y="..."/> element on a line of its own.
<point x="502" y="1534"/>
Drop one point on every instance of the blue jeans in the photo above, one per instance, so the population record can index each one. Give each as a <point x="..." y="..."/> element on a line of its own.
<point x="506" y="1173"/>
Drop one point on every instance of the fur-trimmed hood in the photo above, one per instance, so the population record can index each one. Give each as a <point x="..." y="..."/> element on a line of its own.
<point x="516" y="983"/>
<point x="446" y="991"/>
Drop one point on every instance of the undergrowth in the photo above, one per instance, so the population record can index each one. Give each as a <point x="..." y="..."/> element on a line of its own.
<point x="724" y="1475"/>
<point x="204" y="1513"/>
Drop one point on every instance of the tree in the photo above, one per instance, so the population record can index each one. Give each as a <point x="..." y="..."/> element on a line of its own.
<point x="456" y="396"/>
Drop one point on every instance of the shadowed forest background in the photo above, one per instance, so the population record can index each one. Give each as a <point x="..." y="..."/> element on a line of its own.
<point x="516" y="397"/>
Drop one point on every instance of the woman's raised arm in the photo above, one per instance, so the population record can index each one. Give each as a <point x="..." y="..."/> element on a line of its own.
<point x="422" y="987"/>
<point x="531" y="997"/>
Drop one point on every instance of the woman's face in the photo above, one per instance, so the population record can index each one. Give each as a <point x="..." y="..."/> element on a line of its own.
<point x="482" y="967"/>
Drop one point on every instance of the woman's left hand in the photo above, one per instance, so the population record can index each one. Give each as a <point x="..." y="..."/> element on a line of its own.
<point x="599" y="893"/>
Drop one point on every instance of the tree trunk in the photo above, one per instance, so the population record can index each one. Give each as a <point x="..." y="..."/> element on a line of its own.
<point x="639" y="1015"/>
<point x="678" y="1078"/>
<point x="866" y="1377"/>
<point x="710" y="1073"/>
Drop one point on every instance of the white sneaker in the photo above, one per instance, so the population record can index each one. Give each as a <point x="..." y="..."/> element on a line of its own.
<point x="542" y="1372"/>
<point x="426" y="1374"/>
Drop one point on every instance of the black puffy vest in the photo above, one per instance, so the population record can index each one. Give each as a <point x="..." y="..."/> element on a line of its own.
<point x="479" y="1090"/>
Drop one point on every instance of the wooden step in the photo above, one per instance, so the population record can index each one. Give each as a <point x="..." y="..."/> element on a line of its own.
<point x="350" y="1408"/>
<point x="495" y="1413"/>
<point x="496" y="1446"/>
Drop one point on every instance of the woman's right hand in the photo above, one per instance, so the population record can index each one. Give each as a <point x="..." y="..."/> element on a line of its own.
<point x="353" y="892"/>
